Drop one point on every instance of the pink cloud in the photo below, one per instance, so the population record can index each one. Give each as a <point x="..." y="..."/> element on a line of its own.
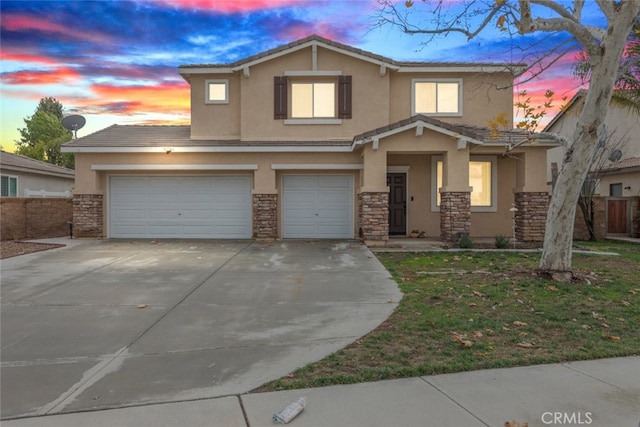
<point x="41" y="77"/>
<point x="26" y="57"/>
<point x="24" y="22"/>
<point x="230" y="6"/>
<point x="164" y="98"/>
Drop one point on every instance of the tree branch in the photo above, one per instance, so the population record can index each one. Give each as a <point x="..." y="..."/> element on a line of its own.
<point x="607" y="7"/>
<point x="557" y="8"/>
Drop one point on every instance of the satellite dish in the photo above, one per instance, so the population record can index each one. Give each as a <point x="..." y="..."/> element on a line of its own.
<point x="615" y="155"/>
<point x="73" y="123"/>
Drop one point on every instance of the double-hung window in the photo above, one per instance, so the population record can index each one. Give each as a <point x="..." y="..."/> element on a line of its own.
<point x="438" y="97"/>
<point x="9" y="186"/>
<point x="482" y="179"/>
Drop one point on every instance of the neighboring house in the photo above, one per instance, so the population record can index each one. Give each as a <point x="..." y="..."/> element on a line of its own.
<point x="620" y="174"/>
<point x="316" y="139"/>
<point x="25" y="177"/>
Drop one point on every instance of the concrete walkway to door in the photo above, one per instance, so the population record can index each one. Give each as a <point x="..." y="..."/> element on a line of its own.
<point x="118" y="323"/>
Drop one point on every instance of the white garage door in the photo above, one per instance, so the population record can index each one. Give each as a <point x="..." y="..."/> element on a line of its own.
<point x="317" y="206"/>
<point x="180" y="207"/>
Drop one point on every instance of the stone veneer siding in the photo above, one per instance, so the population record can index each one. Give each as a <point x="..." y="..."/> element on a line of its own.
<point x="455" y="215"/>
<point x="88" y="215"/>
<point x="265" y="216"/>
<point x="531" y="215"/>
<point x="374" y="216"/>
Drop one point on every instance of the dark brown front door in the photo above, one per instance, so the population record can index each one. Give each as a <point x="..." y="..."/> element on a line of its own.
<point x="617" y="216"/>
<point x="397" y="183"/>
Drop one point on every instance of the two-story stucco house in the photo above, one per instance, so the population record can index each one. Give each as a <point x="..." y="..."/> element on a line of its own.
<point x="316" y="139"/>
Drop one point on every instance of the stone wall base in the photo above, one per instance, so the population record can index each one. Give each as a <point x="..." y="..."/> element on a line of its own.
<point x="265" y="216"/>
<point x="88" y="215"/>
<point x="374" y="218"/>
<point x="455" y="215"/>
<point x="531" y="215"/>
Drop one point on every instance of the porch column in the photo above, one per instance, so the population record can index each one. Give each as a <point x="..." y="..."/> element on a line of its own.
<point x="373" y="198"/>
<point x="265" y="203"/>
<point x="531" y="196"/>
<point x="455" y="196"/>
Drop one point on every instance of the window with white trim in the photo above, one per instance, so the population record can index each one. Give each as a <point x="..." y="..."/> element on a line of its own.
<point x="438" y="97"/>
<point x="217" y="91"/>
<point x="482" y="180"/>
<point x="9" y="186"/>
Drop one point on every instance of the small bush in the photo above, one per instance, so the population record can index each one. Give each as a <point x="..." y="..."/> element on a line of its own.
<point x="465" y="242"/>
<point x="502" y="242"/>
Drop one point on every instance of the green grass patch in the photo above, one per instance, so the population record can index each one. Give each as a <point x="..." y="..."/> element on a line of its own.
<point x="475" y="310"/>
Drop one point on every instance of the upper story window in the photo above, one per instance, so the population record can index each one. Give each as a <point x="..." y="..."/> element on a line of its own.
<point x="313" y="100"/>
<point x="482" y="179"/>
<point x="439" y="97"/>
<point x="318" y="100"/>
<point x="217" y="91"/>
<point x="9" y="186"/>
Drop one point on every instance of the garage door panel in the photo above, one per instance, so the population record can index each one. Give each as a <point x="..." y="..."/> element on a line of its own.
<point x="317" y="206"/>
<point x="180" y="207"/>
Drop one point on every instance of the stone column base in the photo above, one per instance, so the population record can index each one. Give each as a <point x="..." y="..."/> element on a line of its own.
<point x="374" y="218"/>
<point x="531" y="215"/>
<point x="455" y="215"/>
<point x="265" y="216"/>
<point x="88" y="215"/>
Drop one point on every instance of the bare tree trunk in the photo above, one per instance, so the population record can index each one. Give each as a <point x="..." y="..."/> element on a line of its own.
<point x="558" y="239"/>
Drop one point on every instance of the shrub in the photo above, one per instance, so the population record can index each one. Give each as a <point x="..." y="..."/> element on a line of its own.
<point x="502" y="242"/>
<point x="465" y="242"/>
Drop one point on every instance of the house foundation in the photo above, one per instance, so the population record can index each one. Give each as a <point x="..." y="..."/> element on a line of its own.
<point x="455" y="215"/>
<point x="374" y="218"/>
<point x="88" y="215"/>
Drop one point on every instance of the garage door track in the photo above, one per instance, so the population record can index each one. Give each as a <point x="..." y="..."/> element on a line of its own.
<point x="104" y="324"/>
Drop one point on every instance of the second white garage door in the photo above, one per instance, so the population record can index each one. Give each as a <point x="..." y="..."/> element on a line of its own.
<point x="317" y="206"/>
<point x="180" y="207"/>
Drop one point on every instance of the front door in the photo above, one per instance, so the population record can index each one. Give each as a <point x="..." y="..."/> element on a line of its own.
<point x="397" y="183"/>
<point x="617" y="216"/>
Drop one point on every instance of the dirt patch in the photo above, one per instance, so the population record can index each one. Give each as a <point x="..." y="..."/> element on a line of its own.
<point x="10" y="249"/>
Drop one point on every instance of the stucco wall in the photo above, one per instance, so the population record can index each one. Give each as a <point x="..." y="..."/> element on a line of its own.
<point x="39" y="182"/>
<point x="34" y="218"/>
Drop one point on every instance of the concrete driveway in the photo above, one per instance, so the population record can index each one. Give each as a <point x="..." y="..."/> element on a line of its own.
<point x="105" y="324"/>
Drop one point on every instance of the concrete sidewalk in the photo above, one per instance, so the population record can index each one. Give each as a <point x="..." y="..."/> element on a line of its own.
<point x="602" y="393"/>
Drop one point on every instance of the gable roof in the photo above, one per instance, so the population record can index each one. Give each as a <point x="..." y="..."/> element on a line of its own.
<point x="570" y="105"/>
<point x="315" y="40"/>
<point x="17" y="163"/>
<point x="463" y="133"/>
<point x="159" y="138"/>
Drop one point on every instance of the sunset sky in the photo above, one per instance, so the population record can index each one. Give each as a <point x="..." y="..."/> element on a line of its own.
<point x="116" y="61"/>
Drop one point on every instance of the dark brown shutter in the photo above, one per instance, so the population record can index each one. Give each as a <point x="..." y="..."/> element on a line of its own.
<point x="344" y="97"/>
<point x="280" y="97"/>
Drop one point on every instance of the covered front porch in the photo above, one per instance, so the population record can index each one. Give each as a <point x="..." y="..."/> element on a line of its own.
<point x="428" y="178"/>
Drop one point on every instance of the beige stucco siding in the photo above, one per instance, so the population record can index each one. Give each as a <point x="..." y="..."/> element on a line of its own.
<point x="36" y="182"/>
<point x="219" y="121"/>
<point x="483" y="96"/>
<point x="369" y="92"/>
